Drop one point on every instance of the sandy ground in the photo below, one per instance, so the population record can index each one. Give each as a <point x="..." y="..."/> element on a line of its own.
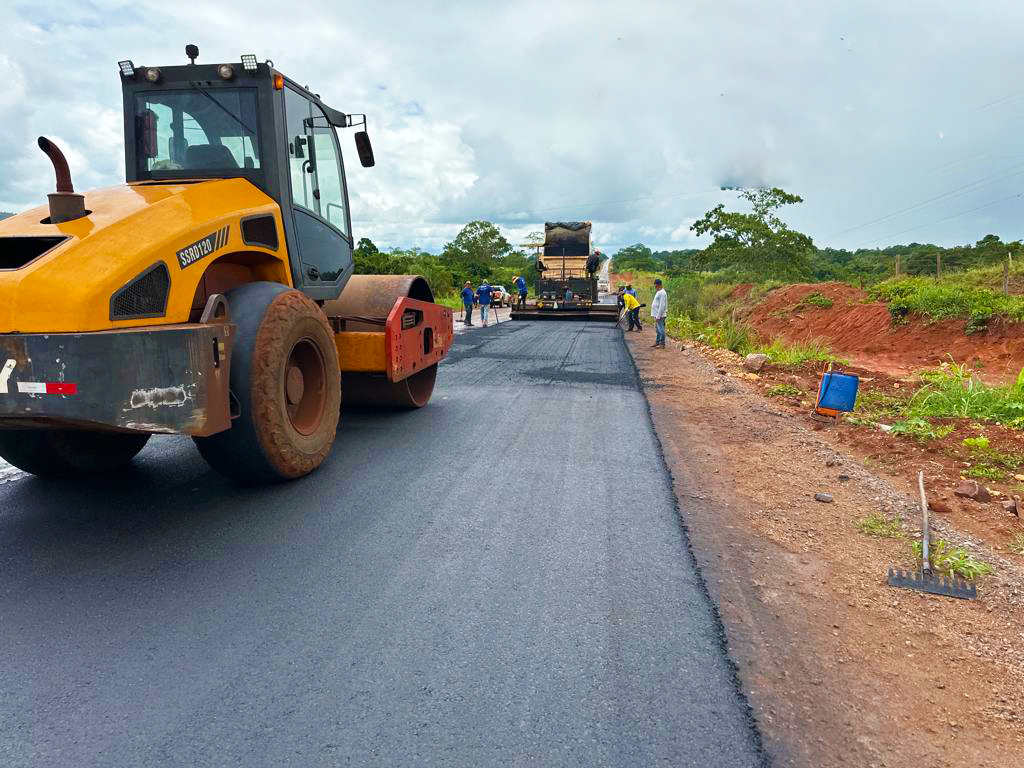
<point x="841" y="669"/>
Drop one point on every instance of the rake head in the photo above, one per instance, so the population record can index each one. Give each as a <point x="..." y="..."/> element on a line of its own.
<point x="928" y="582"/>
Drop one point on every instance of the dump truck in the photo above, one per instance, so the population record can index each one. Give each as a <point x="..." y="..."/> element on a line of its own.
<point x="566" y="263"/>
<point x="210" y="295"/>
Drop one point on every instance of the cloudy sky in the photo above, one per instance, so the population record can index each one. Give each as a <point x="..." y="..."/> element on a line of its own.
<point x="896" y="121"/>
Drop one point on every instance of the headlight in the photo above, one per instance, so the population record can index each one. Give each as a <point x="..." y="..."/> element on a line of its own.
<point x="153" y="75"/>
<point x="226" y="71"/>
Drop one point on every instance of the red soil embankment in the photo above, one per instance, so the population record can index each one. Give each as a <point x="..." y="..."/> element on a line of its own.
<point x="862" y="330"/>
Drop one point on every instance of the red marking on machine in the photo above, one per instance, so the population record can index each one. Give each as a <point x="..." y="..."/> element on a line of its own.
<point x="48" y="387"/>
<point x="418" y="334"/>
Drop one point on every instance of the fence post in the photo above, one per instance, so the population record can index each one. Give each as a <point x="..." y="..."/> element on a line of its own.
<point x="938" y="265"/>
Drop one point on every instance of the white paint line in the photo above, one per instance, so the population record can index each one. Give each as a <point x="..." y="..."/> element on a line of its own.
<point x="5" y="376"/>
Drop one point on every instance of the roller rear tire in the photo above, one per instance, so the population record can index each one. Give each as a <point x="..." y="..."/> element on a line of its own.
<point x="285" y="377"/>
<point x="68" y="452"/>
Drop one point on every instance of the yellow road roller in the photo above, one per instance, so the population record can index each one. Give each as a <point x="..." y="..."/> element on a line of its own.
<point x="211" y="295"/>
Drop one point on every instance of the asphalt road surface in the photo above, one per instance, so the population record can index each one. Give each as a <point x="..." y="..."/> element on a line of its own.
<point x="497" y="579"/>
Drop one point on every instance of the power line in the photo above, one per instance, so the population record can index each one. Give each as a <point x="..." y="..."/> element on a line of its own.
<point x="921" y="204"/>
<point x="947" y="218"/>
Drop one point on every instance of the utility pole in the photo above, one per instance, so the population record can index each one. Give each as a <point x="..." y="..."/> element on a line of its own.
<point x="897" y="265"/>
<point x="1006" y="276"/>
<point x="938" y="265"/>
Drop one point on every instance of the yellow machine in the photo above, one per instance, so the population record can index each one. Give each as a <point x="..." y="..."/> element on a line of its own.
<point x="211" y="295"/>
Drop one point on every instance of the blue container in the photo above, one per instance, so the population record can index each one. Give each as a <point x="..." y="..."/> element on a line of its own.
<point x="838" y="391"/>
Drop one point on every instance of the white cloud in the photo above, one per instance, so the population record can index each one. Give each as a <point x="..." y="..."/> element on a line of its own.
<point x="631" y="115"/>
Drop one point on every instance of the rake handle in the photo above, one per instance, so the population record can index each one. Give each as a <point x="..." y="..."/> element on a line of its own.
<point x="926" y="565"/>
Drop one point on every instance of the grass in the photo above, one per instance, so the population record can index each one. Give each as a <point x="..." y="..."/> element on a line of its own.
<point x="955" y="561"/>
<point x="783" y="390"/>
<point x="955" y="296"/>
<point x="799" y="352"/>
<point x="951" y="392"/>
<point x="921" y="429"/>
<point x="881" y="526"/>
<point x="877" y="406"/>
<point x="1016" y="544"/>
<point x="452" y="301"/>
<point x="984" y="472"/>
<point x="814" y="300"/>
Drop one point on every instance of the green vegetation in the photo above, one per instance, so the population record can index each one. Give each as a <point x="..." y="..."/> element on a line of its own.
<point x="1016" y="544"/>
<point x="881" y="526"/>
<point x="758" y="242"/>
<point x="920" y="429"/>
<point x="783" y="390"/>
<point x="991" y="464"/>
<point x="984" y="472"/>
<point x="955" y="561"/>
<point x="478" y="251"/>
<point x="875" y="406"/>
<point x="950" y="297"/>
<point x="814" y="300"/>
<point x="799" y="352"/>
<point x="951" y="392"/>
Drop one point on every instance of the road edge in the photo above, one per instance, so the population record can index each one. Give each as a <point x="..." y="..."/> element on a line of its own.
<point x="749" y="714"/>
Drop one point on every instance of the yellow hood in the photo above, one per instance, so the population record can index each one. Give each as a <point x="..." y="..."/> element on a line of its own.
<point x="128" y="230"/>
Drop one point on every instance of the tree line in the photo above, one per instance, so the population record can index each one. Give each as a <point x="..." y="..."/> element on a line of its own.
<point x="758" y="245"/>
<point x="479" y="251"/>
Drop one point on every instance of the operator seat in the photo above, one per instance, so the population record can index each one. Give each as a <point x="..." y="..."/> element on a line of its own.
<point x="209" y="157"/>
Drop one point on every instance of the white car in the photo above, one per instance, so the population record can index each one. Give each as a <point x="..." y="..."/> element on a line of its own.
<point x="500" y="297"/>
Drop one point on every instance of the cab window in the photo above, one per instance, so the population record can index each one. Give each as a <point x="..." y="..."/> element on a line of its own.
<point x="314" y="162"/>
<point x="179" y="132"/>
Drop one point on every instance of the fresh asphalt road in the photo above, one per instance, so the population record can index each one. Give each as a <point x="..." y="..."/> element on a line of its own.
<point x="499" y="578"/>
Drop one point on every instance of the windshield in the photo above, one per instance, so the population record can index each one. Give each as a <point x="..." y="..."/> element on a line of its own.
<point x="196" y="130"/>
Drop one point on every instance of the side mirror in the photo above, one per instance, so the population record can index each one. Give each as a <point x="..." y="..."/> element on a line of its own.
<point x="364" y="148"/>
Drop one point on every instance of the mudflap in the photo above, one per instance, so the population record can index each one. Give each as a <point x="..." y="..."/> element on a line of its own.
<point x="165" y="379"/>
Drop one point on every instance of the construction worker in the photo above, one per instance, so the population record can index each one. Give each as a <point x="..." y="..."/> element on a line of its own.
<point x="632" y="311"/>
<point x="520" y="282"/>
<point x="618" y="296"/>
<point x="659" y="311"/>
<point x="568" y="295"/>
<point x="468" y="297"/>
<point x="483" y="298"/>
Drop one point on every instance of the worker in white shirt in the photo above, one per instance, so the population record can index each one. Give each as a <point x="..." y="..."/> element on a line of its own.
<point x="659" y="311"/>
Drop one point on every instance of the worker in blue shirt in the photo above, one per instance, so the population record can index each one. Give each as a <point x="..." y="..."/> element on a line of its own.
<point x="521" y="285"/>
<point x="468" y="297"/>
<point x="483" y="298"/>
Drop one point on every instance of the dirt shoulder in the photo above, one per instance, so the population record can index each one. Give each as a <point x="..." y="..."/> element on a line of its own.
<point x="841" y="669"/>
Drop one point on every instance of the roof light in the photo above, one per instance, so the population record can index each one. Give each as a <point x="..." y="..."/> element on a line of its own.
<point x="249" y="62"/>
<point x="278" y="82"/>
<point x="226" y="71"/>
<point x="153" y="75"/>
<point x="127" y="68"/>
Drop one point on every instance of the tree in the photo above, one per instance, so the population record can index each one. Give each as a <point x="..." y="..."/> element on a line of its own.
<point x="759" y="242"/>
<point x="475" y="248"/>
<point x="366" y="256"/>
<point x="635" y="258"/>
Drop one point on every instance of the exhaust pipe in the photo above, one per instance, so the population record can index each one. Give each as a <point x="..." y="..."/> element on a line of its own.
<point x="65" y="205"/>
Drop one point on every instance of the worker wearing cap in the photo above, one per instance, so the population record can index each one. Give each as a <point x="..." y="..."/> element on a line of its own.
<point x="468" y="297"/>
<point x="659" y="311"/>
<point x="520" y="282"/>
<point x="632" y="311"/>
<point x="483" y="298"/>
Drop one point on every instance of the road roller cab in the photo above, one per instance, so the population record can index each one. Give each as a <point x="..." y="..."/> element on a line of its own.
<point x="210" y="295"/>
